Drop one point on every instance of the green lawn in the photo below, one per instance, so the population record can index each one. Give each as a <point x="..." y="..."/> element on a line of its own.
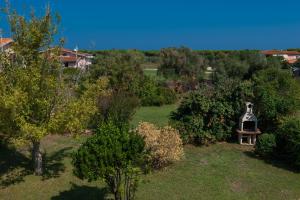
<point x="150" y="72"/>
<point x="154" y="114"/>
<point x="222" y="171"/>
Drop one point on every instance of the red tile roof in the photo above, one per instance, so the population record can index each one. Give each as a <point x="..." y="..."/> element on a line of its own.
<point x="273" y="52"/>
<point x="74" y="52"/>
<point x="68" y="58"/>
<point x="4" y="41"/>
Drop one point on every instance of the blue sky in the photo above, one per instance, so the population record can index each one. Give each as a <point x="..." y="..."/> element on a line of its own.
<point x="120" y="24"/>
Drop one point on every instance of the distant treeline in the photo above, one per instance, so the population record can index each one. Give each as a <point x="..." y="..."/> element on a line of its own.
<point x="153" y="53"/>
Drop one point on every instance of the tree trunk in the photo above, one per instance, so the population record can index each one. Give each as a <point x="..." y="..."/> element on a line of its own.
<point x="117" y="183"/>
<point x="37" y="158"/>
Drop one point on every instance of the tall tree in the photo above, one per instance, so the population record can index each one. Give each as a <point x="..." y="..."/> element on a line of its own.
<point x="32" y="91"/>
<point x="31" y="88"/>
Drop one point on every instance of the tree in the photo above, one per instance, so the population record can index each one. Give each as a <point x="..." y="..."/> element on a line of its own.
<point x="31" y="86"/>
<point x="113" y="154"/>
<point x="32" y="91"/>
<point x="75" y="114"/>
<point x="181" y="62"/>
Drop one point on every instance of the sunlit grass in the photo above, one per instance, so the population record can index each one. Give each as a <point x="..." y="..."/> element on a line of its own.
<point x="156" y="115"/>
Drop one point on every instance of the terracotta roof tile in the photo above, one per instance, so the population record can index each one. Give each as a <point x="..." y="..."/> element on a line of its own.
<point x="68" y="58"/>
<point x="74" y="52"/>
<point x="272" y="52"/>
<point x="4" y="41"/>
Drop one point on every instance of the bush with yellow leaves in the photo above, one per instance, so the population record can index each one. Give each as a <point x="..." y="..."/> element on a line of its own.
<point x="164" y="145"/>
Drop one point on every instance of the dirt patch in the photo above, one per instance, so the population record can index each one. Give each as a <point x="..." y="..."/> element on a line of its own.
<point x="238" y="186"/>
<point x="203" y="162"/>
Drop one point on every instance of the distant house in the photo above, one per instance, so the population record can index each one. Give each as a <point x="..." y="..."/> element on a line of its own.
<point x="289" y="56"/>
<point x="75" y="59"/>
<point x="5" y="44"/>
<point x="69" y="58"/>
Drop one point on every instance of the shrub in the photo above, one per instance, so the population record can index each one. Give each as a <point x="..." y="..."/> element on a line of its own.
<point x="151" y="93"/>
<point x="119" y="107"/>
<point x="165" y="145"/>
<point x="265" y="145"/>
<point x="210" y="114"/>
<point x="113" y="154"/>
<point x="288" y="140"/>
<point x="168" y="95"/>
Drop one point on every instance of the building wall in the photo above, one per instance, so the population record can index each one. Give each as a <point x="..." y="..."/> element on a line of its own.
<point x="288" y="57"/>
<point x="81" y="63"/>
<point x="6" y="46"/>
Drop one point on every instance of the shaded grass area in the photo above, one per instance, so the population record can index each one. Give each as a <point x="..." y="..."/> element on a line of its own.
<point x="58" y="181"/>
<point x="221" y="171"/>
<point x="156" y="115"/>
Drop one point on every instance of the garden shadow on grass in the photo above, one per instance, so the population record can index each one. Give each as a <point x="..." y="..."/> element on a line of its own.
<point x="82" y="192"/>
<point x="273" y="161"/>
<point x="53" y="164"/>
<point x="14" y="166"/>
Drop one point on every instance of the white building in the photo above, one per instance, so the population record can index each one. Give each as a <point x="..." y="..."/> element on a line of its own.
<point x="75" y="59"/>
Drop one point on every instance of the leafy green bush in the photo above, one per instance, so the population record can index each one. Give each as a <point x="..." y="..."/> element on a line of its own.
<point x="119" y="106"/>
<point x="277" y="95"/>
<point x="201" y="119"/>
<point x="211" y="114"/>
<point x="168" y="95"/>
<point x="152" y="94"/>
<point x="288" y="140"/>
<point x="265" y="144"/>
<point x="115" y="155"/>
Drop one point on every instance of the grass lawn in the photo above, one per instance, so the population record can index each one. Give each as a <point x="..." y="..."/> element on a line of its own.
<point x="221" y="171"/>
<point x="150" y="72"/>
<point x="154" y="114"/>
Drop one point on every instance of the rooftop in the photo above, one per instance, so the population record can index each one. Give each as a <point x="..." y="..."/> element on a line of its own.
<point x="4" y="41"/>
<point x="272" y="52"/>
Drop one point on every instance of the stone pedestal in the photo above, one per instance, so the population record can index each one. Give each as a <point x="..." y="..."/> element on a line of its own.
<point x="250" y="136"/>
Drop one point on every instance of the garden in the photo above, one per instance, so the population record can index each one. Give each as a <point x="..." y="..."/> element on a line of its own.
<point x="143" y="124"/>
